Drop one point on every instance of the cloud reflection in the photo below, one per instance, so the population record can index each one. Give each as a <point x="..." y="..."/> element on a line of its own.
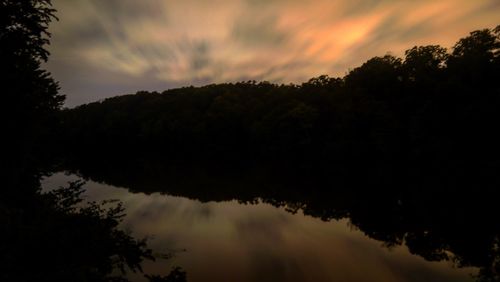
<point x="110" y="46"/>
<point x="227" y="241"/>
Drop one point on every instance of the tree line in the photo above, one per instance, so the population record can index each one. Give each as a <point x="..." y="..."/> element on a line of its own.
<point x="430" y="117"/>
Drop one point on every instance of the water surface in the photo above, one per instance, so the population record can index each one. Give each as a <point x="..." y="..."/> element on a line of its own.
<point x="233" y="241"/>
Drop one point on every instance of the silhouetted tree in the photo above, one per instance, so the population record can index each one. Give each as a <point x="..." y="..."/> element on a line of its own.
<point x="423" y="64"/>
<point x="475" y="58"/>
<point x="54" y="236"/>
<point x="379" y="76"/>
<point x="30" y="95"/>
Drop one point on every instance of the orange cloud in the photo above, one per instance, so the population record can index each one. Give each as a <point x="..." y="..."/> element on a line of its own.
<point x="174" y="43"/>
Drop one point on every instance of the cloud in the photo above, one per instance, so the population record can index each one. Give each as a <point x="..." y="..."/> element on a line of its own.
<point x="172" y="43"/>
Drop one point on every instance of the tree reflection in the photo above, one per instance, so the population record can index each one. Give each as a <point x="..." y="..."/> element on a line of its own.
<point x="458" y="225"/>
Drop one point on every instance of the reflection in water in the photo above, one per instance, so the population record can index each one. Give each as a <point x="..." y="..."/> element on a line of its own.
<point x="231" y="241"/>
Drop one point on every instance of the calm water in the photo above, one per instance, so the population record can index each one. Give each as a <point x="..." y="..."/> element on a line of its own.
<point x="231" y="241"/>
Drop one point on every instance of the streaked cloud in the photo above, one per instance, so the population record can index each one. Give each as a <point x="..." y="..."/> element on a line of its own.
<point x="104" y="48"/>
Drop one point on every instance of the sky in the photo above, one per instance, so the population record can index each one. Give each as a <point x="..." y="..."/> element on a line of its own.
<point x="104" y="48"/>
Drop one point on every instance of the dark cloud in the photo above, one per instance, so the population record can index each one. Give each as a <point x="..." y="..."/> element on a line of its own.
<point x="362" y="7"/>
<point x="258" y="31"/>
<point x="200" y="56"/>
<point x="89" y="34"/>
<point x="270" y="268"/>
<point x="127" y="12"/>
<point x="264" y="238"/>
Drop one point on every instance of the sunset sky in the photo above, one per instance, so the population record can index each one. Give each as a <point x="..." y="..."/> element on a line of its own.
<point x="103" y="48"/>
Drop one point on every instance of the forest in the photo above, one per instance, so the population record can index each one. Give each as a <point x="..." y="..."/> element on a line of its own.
<point x="424" y="120"/>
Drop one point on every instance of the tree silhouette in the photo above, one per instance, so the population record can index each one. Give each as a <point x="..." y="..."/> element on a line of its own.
<point x="479" y="52"/>
<point x="54" y="236"/>
<point x="29" y="93"/>
<point x="423" y="63"/>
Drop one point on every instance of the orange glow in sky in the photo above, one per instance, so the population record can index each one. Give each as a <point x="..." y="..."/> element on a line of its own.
<point x="105" y="48"/>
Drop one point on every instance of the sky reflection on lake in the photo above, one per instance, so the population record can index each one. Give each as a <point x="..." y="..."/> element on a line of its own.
<point x="230" y="241"/>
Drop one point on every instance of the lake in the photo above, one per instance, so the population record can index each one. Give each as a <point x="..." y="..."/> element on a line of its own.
<point x="264" y="240"/>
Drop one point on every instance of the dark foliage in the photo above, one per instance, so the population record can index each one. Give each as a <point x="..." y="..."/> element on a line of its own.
<point x="30" y="99"/>
<point x="429" y="117"/>
<point x="47" y="237"/>
<point x="59" y="239"/>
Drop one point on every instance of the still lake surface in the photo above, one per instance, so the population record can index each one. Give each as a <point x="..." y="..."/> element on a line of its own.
<point x="235" y="241"/>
